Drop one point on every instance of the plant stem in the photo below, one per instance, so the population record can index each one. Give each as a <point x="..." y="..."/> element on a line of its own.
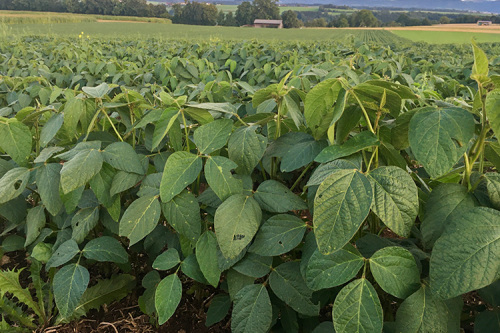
<point x="186" y="130"/>
<point x="301" y="176"/>
<point x="112" y="125"/>
<point x="367" y="118"/>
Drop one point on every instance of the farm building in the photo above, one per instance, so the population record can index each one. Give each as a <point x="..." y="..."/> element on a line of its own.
<point x="484" y="22"/>
<point x="268" y="24"/>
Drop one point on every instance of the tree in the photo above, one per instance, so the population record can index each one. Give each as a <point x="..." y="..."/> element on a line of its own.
<point x="444" y="20"/>
<point x="364" y="18"/>
<point x="221" y="18"/>
<point x="244" y="14"/>
<point x="343" y="23"/>
<point x="230" y="20"/>
<point x="290" y="19"/>
<point x="266" y="9"/>
<point x="195" y="13"/>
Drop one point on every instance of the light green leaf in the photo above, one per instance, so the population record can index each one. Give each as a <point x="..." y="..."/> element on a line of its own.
<point x="84" y="221"/>
<point x="492" y="105"/>
<point x="357" y="308"/>
<point x="121" y="156"/>
<point x="35" y="221"/>
<point x="13" y="183"/>
<point x="9" y="282"/>
<point x="15" y="140"/>
<point x="206" y="255"/>
<point x="236" y="222"/>
<point x="324" y="170"/>
<point x="395" y="198"/>
<point x="439" y="137"/>
<point x="80" y="169"/>
<point x="219" y="177"/>
<point x="252" y="311"/>
<point x="163" y="125"/>
<point x="277" y="198"/>
<point x="341" y="205"/>
<point x="212" y="136"/>
<point x="480" y="67"/>
<point x="422" y="313"/>
<point x="140" y="218"/>
<point x="167" y="297"/>
<point x="183" y="214"/>
<point x="446" y="203"/>
<point x="318" y="106"/>
<point x="467" y="256"/>
<point x="70" y="282"/>
<point x="246" y="148"/>
<point x="50" y="129"/>
<point x="395" y="270"/>
<point x="122" y="181"/>
<point x="328" y="271"/>
<point x="357" y="143"/>
<point x="278" y="235"/>
<point x="181" y="169"/>
<point x="64" y="253"/>
<point x="287" y="283"/>
<point x="97" y="92"/>
<point x="167" y="260"/>
<point x="105" y="248"/>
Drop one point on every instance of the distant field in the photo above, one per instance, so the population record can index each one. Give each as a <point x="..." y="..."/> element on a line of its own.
<point x="447" y="37"/>
<point x="232" y="8"/>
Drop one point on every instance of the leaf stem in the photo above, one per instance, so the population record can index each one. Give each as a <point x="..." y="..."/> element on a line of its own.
<point x="112" y="125"/>
<point x="186" y="130"/>
<point x="301" y="176"/>
<point x="367" y="118"/>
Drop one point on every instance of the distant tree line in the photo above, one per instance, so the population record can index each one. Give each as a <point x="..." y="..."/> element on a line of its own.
<point x="100" y="7"/>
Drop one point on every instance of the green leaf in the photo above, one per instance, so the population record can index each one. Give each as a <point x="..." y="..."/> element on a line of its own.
<point x="47" y="181"/>
<point x="106" y="291"/>
<point x="80" y="169"/>
<point x="493" y="188"/>
<point x="318" y="106"/>
<point x="50" y="129"/>
<point x="121" y="156"/>
<point x="287" y="283"/>
<point x="70" y="282"/>
<point x="140" y="218"/>
<point x="183" y="214"/>
<point x="357" y="308"/>
<point x="467" y="256"/>
<point x="123" y="181"/>
<point x="341" y="205"/>
<point x="246" y="148"/>
<point x="399" y="133"/>
<point x="97" y="92"/>
<point x="105" y="248"/>
<point x="301" y="154"/>
<point x="395" y="270"/>
<point x="278" y="235"/>
<point x="181" y="169"/>
<point x="213" y="136"/>
<point x="167" y="297"/>
<point x="13" y="183"/>
<point x="324" y="170"/>
<point x="357" y="143"/>
<point x="277" y="198"/>
<point x="101" y="185"/>
<point x="445" y="203"/>
<point x="163" y="125"/>
<point x="480" y="67"/>
<point x="422" y="313"/>
<point x="254" y="265"/>
<point x="15" y="140"/>
<point x="236" y="222"/>
<point x="35" y="221"/>
<point x="487" y="321"/>
<point x="439" y="137"/>
<point x="492" y="105"/>
<point x="167" y="260"/>
<point x="219" y="177"/>
<point x="252" y="311"/>
<point x="190" y="267"/>
<point x="9" y="283"/>
<point x="84" y="220"/>
<point x="218" y="309"/>
<point x="395" y="198"/>
<point x="328" y="271"/>
<point x="206" y="255"/>
<point x="64" y="253"/>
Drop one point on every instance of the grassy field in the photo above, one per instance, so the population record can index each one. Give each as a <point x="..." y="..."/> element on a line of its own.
<point x="447" y="37"/>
